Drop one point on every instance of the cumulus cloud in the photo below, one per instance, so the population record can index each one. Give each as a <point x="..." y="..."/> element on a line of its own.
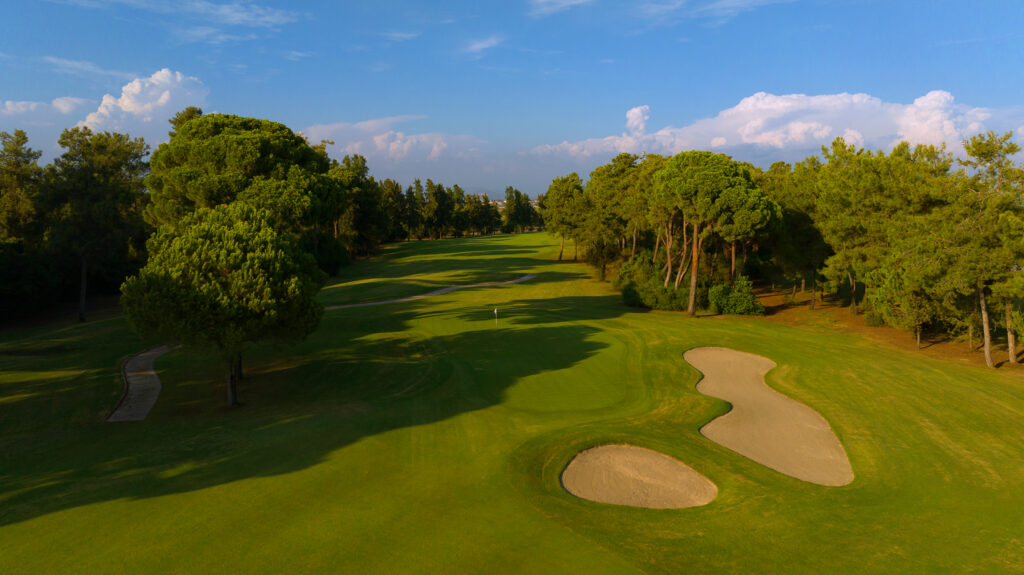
<point x="68" y="104"/>
<point x="539" y="8"/>
<point x="145" y="105"/>
<point x="64" y="106"/>
<point x="793" y="126"/>
<point x="378" y="139"/>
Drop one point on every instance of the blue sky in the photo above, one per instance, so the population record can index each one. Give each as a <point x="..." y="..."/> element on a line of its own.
<point x="486" y="95"/>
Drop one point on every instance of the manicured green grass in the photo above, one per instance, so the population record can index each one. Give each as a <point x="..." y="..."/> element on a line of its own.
<point x="426" y="437"/>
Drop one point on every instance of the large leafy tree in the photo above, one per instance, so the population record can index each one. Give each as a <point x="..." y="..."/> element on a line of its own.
<point x="519" y="212"/>
<point x="438" y="210"/>
<point x="561" y="208"/>
<point x="19" y="178"/>
<point x="93" y="197"/>
<point x="699" y="180"/>
<point x="995" y="174"/>
<point x="225" y="278"/>
<point x="216" y="159"/>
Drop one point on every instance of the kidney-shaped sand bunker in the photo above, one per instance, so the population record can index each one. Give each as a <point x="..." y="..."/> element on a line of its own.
<point x="638" y="477"/>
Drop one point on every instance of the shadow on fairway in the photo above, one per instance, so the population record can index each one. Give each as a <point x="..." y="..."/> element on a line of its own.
<point x="301" y="405"/>
<point x="552" y="310"/>
<point x="381" y="289"/>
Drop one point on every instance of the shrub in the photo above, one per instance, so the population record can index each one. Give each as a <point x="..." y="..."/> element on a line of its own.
<point x="735" y="299"/>
<point x="642" y="285"/>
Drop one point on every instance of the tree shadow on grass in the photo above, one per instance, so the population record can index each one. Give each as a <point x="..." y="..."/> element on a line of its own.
<point x="552" y="310"/>
<point x="377" y="290"/>
<point x="340" y="386"/>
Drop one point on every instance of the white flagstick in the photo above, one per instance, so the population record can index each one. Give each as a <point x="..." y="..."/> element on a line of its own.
<point x="495" y="317"/>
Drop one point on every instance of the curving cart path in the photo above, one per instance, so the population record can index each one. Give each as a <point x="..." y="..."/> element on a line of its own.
<point x="764" y="425"/>
<point x="141" y="386"/>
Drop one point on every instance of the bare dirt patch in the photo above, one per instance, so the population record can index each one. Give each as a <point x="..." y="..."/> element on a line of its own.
<point x="638" y="477"/>
<point x="764" y="425"/>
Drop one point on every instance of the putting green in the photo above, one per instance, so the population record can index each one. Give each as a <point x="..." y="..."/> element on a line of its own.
<point x="424" y="437"/>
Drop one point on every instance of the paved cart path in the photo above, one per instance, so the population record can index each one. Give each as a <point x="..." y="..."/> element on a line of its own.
<point x="141" y="386"/>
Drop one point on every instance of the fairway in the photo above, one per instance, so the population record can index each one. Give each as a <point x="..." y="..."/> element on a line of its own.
<point x="429" y="436"/>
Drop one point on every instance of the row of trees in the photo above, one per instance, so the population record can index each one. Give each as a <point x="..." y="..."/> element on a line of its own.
<point x="683" y="207"/>
<point x="921" y="240"/>
<point x="236" y="220"/>
<point x="80" y="224"/>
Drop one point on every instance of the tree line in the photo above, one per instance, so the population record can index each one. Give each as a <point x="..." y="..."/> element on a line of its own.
<point x="80" y="224"/>
<point x="914" y="238"/>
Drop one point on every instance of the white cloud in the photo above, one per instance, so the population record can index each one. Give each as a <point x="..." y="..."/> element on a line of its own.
<point x="378" y="139"/>
<point x="636" y="119"/>
<point x="83" y="68"/>
<point x="793" y="126"/>
<point x="670" y="12"/>
<point x="68" y="104"/>
<point x="295" y="55"/>
<point x="236" y="13"/>
<point x="12" y="108"/>
<point x="64" y="105"/>
<point x="539" y="8"/>
<point x="478" y="46"/>
<point x="209" y="35"/>
<point x="145" y="105"/>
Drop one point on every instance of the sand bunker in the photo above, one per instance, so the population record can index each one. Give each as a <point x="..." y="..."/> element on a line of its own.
<point x="638" y="477"/>
<point x="765" y="425"/>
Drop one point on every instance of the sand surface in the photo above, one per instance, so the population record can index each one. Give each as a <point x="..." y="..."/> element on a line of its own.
<point x="638" y="477"/>
<point x="441" y="291"/>
<point x="765" y="425"/>
<point x="142" y="386"/>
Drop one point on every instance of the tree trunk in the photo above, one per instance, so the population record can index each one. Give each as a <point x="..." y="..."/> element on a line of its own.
<point x="853" y="294"/>
<point x="657" y="244"/>
<point x="234" y="366"/>
<point x="682" y="258"/>
<point x="575" y="249"/>
<point x="917" y="330"/>
<point x="694" y="260"/>
<point x="814" y="287"/>
<point x="1011" y="337"/>
<point x="743" y="264"/>
<point x="970" y="337"/>
<point x="561" y="247"/>
<point x="985" y="329"/>
<point x="81" y="292"/>
<point x="803" y="283"/>
<point x="732" y="265"/>
<point x="794" y="292"/>
<point x="632" y="251"/>
<point x="668" y="253"/>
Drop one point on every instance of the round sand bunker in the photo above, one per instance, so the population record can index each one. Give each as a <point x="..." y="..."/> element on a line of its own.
<point x="638" y="477"/>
